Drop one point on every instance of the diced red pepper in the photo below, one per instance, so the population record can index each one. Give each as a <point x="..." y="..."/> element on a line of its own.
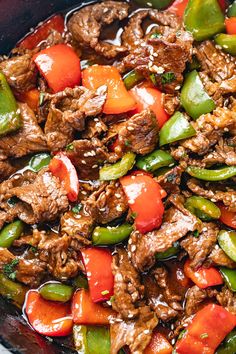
<point x="60" y="66"/>
<point x="209" y="327"/>
<point x="178" y="7"/>
<point x="30" y="97"/>
<point x="203" y="277"/>
<point x="227" y="217"/>
<point x="97" y="263"/>
<point x="230" y="24"/>
<point x="144" y="198"/>
<point x="49" y="318"/>
<point x="85" y="311"/>
<point x="118" y="98"/>
<point x="150" y="97"/>
<point x="61" y="167"/>
<point x="145" y="173"/>
<point x="158" y="345"/>
<point x="223" y="4"/>
<point x="42" y="32"/>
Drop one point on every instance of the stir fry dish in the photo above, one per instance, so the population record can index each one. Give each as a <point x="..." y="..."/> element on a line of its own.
<point x="118" y="177"/>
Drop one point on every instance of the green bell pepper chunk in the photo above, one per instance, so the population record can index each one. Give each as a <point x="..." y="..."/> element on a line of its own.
<point x="56" y="292"/>
<point x="229" y="344"/>
<point x="229" y="277"/>
<point x="194" y="65"/>
<point x="156" y="4"/>
<point x="80" y="282"/>
<point x="194" y="98"/>
<point x="10" y="233"/>
<point x="111" y="235"/>
<point x="227" y="42"/>
<point x="204" y="19"/>
<point x="203" y="208"/>
<point x="176" y="128"/>
<point x="119" y="169"/>
<point x="231" y="12"/>
<point x="11" y="290"/>
<point x="80" y="339"/>
<point x="132" y="78"/>
<point x="212" y="175"/>
<point x="155" y="160"/>
<point x="39" y="161"/>
<point x="172" y="251"/>
<point x="227" y="241"/>
<point x="91" y="339"/>
<point x="10" y="118"/>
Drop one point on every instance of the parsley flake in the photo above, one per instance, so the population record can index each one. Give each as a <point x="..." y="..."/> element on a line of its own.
<point x="167" y="78"/>
<point x="9" y="269"/>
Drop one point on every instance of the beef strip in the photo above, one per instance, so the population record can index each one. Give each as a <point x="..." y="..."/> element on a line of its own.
<point x="198" y="248"/>
<point x="227" y="299"/>
<point x="170" y="181"/>
<point x="171" y="103"/>
<point x="196" y="299"/>
<point x="95" y="128"/>
<point x="218" y="257"/>
<point x="20" y="72"/>
<point x="223" y="154"/>
<point x="128" y="290"/>
<point x="6" y="169"/>
<point x="107" y="203"/>
<point x="86" y="26"/>
<point x="177" y="222"/>
<point x="78" y="226"/>
<point x="28" y="139"/>
<point x="140" y="132"/>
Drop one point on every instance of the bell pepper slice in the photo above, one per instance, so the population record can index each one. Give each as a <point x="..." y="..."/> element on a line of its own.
<point x="132" y="78"/>
<point x="97" y="263"/>
<point x="118" y="98"/>
<point x="141" y="191"/>
<point x="56" y="292"/>
<point x="41" y="32"/>
<point x="171" y="252"/>
<point x="203" y="208"/>
<point x="80" y="339"/>
<point x="212" y="175"/>
<point x="229" y="344"/>
<point x="178" y="7"/>
<point x="111" y="235"/>
<point x="194" y="98"/>
<point x="209" y="327"/>
<point x="204" y="19"/>
<point x="60" y="66"/>
<point x="149" y="97"/>
<point x="156" y="4"/>
<point x="85" y="311"/>
<point x="231" y="12"/>
<point x="203" y="277"/>
<point x="30" y="97"/>
<point x="230" y="24"/>
<point x="39" y="161"/>
<point x="47" y="317"/>
<point x="10" y="233"/>
<point x="12" y="291"/>
<point x="10" y="118"/>
<point x="158" y="345"/>
<point x="227" y="217"/>
<point x="90" y="339"/>
<point x="61" y="167"/>
<point x="229" y="276"/>
<point x="227" y="241"/>
<point x="119" y="169"/>
<point x="155" y="160"/>
<point x="227" y="42"/>
<point x="177" y="128"/>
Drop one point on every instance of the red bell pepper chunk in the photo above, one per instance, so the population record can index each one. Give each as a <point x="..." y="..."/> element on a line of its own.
<point x="227" y="217"/>
<point x="203" y="277"/>
<point x="86" y="312"/>
<point x="158" y="345"/>
<point x="207" y="330"/>
<point x="150" y="97"/>
<point x="118" y="98"/>
<point x="30" y="97"/>
<point x="178" y="7"/>
<point x="62" y="167"/>
<point x="49" y="318"/>
<point x="60" y="66"/>
<point x="144" y="198"/>
<point x="42" y="32"/>
<point x="223" y="4"/>
<point x="97" y="263"/>
<point x="230" y="24"/>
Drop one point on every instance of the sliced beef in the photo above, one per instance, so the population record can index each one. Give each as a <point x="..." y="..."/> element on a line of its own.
<point x="28" y="139"/>
<point x="128" y="290"/>
<point x="223" y="154"/>
<point x="198" y="248"/>
<point x="94" y="129"/>
<point x="171" y="103"/>
<point x="196" y="299"/>
<point x="6" y="169"/>
<point x="136" y="334"/>
<point x="218" y="257"/>
<point x="86" y="26"/>
<point x="170" y="181"/>
<point x="227" y="299"/>
<point x="107" y="203"/>
<point x="177" y="223"/>
<point x="20" y="72"/>
<point x="140" y="132"/>
<point x="78" y="226"/>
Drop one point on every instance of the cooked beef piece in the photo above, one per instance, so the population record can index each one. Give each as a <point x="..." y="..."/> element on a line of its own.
<point x="6" y="169"/>
<point x="171" y="103"/>
<point x="214" y="193"/>
<point x="68" y="111"/>
<point x="218" y="257"/>
<point x="94" y="128"/>
<point x="195" y="299"/>
<point x="128" y="290"/>
<point x="136" y="334"/>
<point x="177" y="222"/>
<point x="29" y="272"/>
<point x="170" y="181"/>
<point x="20" y="72"/>
<point x="54" y="38"/>
<point x="140" y="132"/>
<point x="28" y="139"/>
<point x="198" y="248"/>
<point x="78" y="226"/>
<point x="227" y="299"/>
<point x="107" y="203"/>
<point x="86" y="26"/>
<point x="223" y="154"/>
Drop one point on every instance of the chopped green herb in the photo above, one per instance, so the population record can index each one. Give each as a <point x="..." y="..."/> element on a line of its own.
<point x="9" y="269"/>
<point x="112" y="298"/>
<point x="41" y="98"/>
<point x="182" y="333"/>
<point x="33" y="249"/>
<point x="153" y="79"/>
<point x="204" y="335"/>
<point x="105" y="292"/>
<point x="70" y="147"/>
<point x="127" y="143"/>
<point x="167" y="78"/>
<point x="76" y="209"/>
<point x="171" y="177"/>
<point x="155" y="35"/>
<point x="133" y="215"/>
<point x="196" y="233"/>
